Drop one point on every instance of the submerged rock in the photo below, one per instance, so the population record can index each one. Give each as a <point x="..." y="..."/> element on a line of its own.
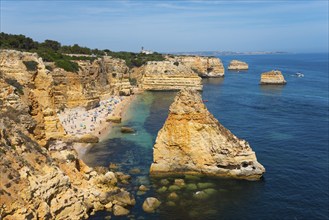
<point x="191" y="186"/>
<point x="200" y="195"/>
<point x="164" y="182"/>
<point x="273" y="77"/>
<point x="192" y="141"/>
<point x="173" y="196"/>
<point x="205" y="185"/>
<point x="162" y="189"/>
<point x="127" y="130"/>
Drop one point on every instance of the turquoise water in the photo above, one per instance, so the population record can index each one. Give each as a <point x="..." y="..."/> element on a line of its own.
<point x="287" y="127"/>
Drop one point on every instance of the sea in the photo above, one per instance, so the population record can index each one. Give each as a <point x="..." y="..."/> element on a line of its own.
<point x="286" y="125"/>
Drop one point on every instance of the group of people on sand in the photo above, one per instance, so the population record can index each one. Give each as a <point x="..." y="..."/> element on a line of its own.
<point x="79" y="121"/>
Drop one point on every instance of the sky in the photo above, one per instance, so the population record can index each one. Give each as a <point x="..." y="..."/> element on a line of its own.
<point x="173" y="26"/>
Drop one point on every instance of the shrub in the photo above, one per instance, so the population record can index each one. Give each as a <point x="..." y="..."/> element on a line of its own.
<point x="49" y="68"/>
<point x="16" y="84"/>
<point x="70" y="157"/>
<point x="31" y="65"/>
<point x="176" y="63"/>
<point x="67" y="65"/>
<point x="133" y="81"/>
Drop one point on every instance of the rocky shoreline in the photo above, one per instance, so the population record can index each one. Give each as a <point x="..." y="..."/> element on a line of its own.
<point x="41" y="175"/>
<point x="53" y="115"/>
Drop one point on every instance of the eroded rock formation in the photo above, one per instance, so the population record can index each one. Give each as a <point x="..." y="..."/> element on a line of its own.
<point x="273" y="77"/>
<point x="41" y="177"/>
<point x="95" y="80"/>
<point x="34" y="92"/>
<point x="205" y="67"/>
<point x="193" y="141"/>
<point x="166" y="75"/>
<point x="238" y="65"/>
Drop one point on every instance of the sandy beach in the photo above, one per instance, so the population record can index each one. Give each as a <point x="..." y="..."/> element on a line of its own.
<point x="78" y="121"/>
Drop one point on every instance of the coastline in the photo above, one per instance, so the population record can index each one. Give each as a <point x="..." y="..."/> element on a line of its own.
<point x="101" y="128"/>
<point x="120" y="110"/>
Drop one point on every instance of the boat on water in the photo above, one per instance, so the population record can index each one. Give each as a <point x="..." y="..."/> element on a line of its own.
<point x="299" y="74"/>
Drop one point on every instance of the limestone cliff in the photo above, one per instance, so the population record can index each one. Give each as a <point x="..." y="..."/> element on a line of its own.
<point x="273" y="77"/>
<point x="193" y="141"/>
<point x="238" y="65"/>
<point x="167" y="75"/>
<point x="34" y="85"/>
<point x="95" y="80"/>
<point x="45" y="182"/>
<point x="206" y="67"/>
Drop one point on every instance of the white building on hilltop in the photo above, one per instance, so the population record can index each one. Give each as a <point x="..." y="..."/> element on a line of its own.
<point x="146" y="51"/>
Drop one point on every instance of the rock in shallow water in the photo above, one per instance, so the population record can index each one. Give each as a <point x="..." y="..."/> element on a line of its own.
<point x="119" y="210"/>
<point x="192" y="141"/>
<point x="150" y="204"/>
<point x="127" y="130"/>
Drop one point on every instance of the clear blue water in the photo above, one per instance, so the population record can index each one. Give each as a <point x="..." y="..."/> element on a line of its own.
<point x="287" y="127"/>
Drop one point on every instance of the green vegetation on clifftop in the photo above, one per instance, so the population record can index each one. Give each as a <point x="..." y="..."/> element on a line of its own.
<point x="53" y="51"/>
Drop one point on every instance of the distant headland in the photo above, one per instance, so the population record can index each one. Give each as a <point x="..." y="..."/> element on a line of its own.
<point x="228" y="53"/>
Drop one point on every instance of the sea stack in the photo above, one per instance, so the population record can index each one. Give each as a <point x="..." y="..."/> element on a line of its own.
<point x="273" y="77"/>
<point x="168" y="76"/>
<point x="238" y="65"/>
<point x="192" y="141"/>
<point x="205" y="67"/>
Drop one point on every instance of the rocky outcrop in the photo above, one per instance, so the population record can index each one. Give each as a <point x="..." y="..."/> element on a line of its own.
<point x="192" y="141"/>
<point x="205" y="67"/>
<point x="273" y="77"/>
<point x="166" y="75"/>
<point x="41" y="177"/>
<point x="151" y="204"/>
<point x="238" y="65"/>
<point x="30" y="90"/>
<point x="95" y="80"/>
<point x="37" y="183"/>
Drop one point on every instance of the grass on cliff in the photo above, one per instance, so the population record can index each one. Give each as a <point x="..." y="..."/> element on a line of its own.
<point x="53" y="51"/>
<point x="31" y="65"/>
<point x="135" y="59"/>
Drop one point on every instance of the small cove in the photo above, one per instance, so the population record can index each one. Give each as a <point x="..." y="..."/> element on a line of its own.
<point x="287" y="127"/>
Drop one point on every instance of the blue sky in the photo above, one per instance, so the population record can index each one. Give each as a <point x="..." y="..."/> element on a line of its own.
<point x="172" y="26"/>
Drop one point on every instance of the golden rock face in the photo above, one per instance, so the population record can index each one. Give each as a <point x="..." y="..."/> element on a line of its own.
<point x="205" y="67"/>
<point x="273" y="77"/>
<point x="238" y="65"/>
<point x="193" y="141"/>
<point x="36" y="91"/>
<point x="165" y="75"/>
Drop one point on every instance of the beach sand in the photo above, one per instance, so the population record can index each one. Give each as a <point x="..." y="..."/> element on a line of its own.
<point x="78" y="121"/>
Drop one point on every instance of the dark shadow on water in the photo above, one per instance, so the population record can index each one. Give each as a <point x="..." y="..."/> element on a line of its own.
<point x="271" y="89"/>
<point x="119" y="151"/>
<point x="213" y="81"/>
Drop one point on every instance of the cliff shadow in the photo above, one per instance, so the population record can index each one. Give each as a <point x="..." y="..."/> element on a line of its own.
<point x="271" y="89"/>
<point x="213" y="81"/>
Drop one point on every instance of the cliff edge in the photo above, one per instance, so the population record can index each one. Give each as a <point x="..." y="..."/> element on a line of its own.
<point x="192" y="141"/>
<point x="168" y="75"/>
<point x="205" y="67"/>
